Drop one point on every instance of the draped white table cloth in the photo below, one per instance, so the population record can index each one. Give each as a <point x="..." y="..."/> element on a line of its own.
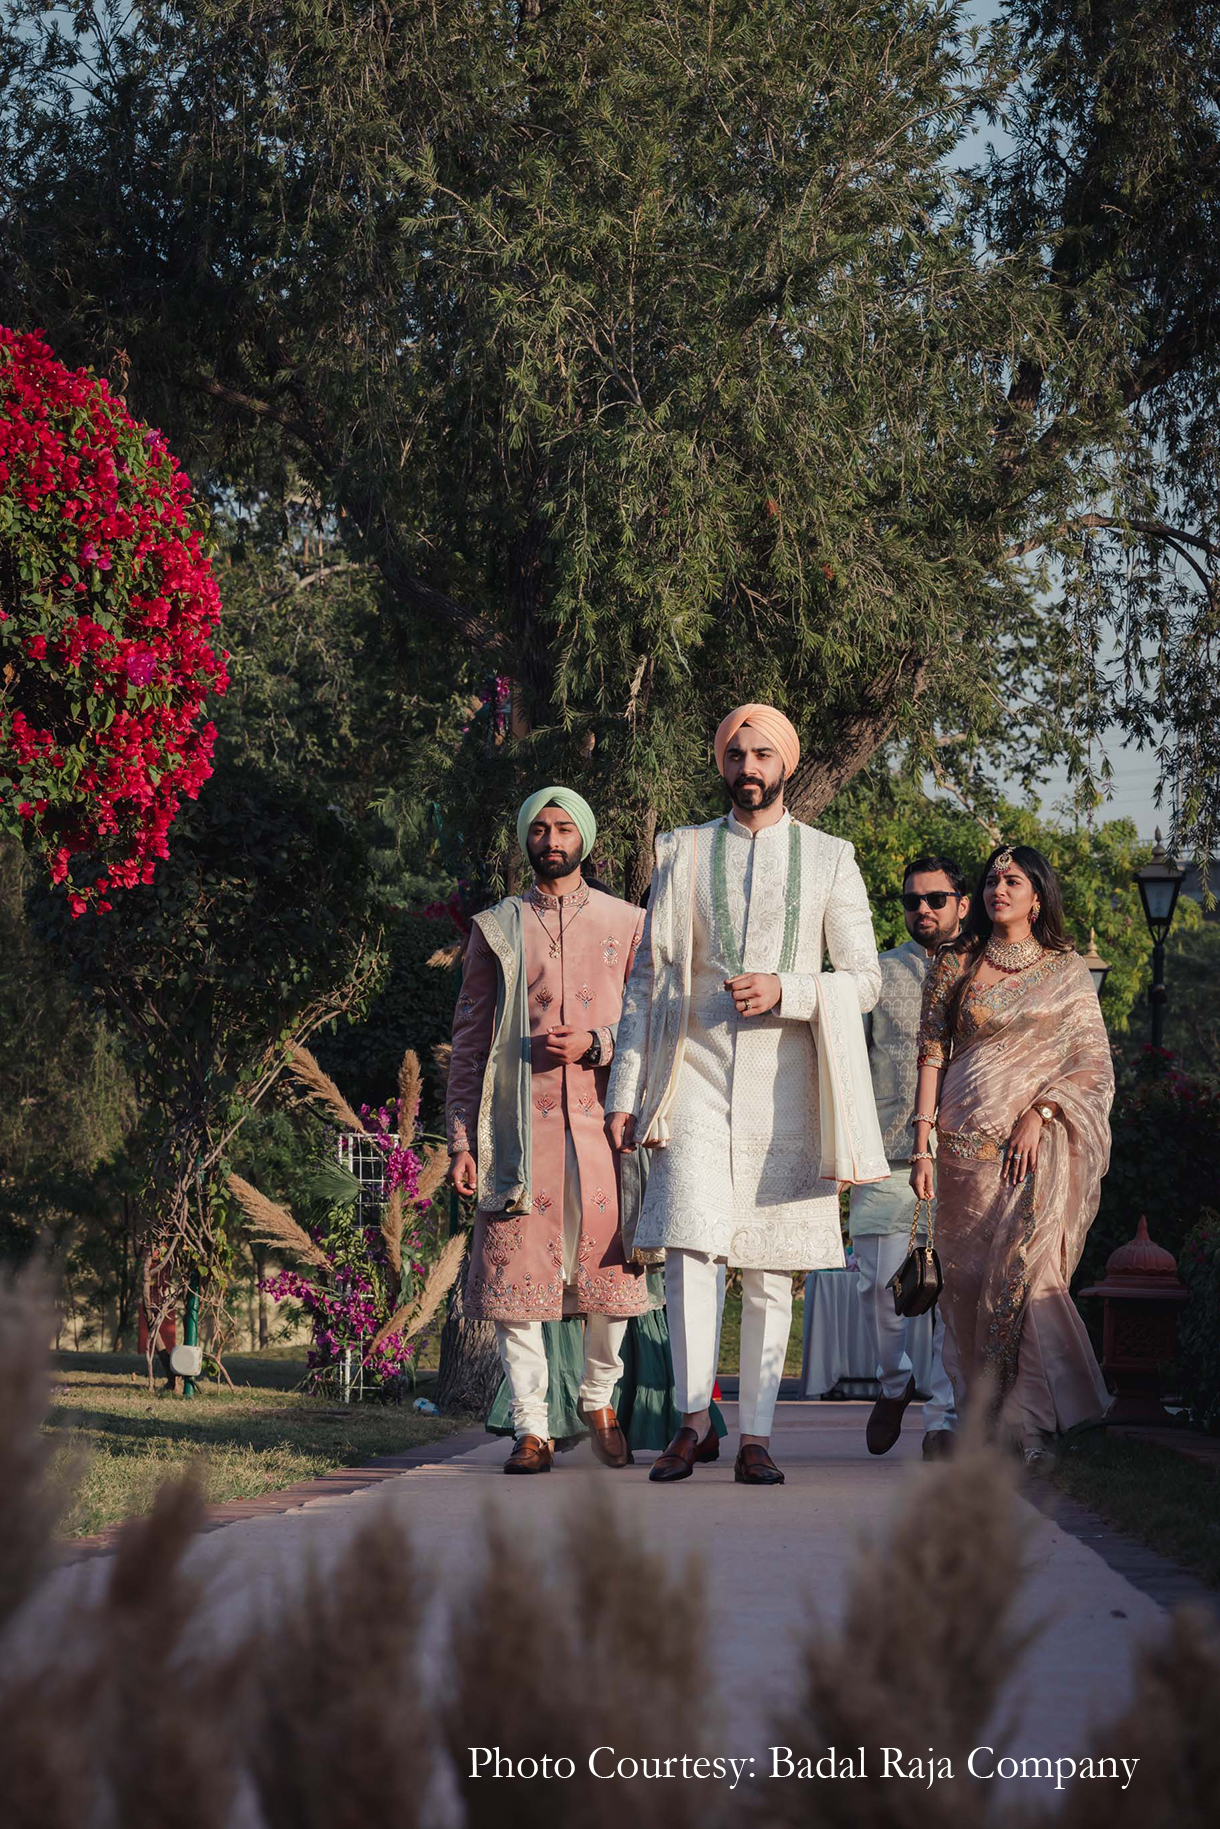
<point x="837" y="1346"/>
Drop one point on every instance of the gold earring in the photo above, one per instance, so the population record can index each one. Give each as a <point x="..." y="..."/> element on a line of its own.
<point x="1037" y="910"/>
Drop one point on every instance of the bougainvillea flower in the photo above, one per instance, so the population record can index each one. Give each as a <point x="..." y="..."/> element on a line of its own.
<point x="108" y="641"/>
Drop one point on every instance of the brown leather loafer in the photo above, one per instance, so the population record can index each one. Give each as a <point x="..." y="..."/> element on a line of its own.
<point x="754" y="1467"/>
<point x="530" y="1455"/>
<point x="884" y="1425"/>
<point x="709" y="1447"/>
<point x="678" y="1460"/>
<point x="606" y="1438"/>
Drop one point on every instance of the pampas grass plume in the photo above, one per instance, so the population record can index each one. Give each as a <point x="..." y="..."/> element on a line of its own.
<point x="306" y="1071"/>
<point x="273" y="1224"/>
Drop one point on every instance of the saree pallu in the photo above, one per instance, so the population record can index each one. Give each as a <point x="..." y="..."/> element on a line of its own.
<point x="1008" y="1253"/>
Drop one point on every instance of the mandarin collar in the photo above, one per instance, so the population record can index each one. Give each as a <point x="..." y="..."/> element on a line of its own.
<point x="575" y="898"/>
<point x="739" y="831"/>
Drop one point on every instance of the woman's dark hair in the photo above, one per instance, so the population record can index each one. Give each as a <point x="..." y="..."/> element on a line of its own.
<point x="1048" y="930"/>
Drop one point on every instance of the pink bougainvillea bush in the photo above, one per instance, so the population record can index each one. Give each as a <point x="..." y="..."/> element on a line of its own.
<point x="108" y="615"/>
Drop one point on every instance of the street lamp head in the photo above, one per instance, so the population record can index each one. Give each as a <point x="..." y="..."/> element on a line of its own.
<point x="1159" y="883"/>
<point x="1098" y="967"/>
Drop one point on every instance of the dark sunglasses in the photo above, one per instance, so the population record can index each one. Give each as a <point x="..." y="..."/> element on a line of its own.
<point x="936" y="900"/>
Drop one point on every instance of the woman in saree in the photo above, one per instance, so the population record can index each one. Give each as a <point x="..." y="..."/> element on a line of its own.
<point x="1016" y="1079"/>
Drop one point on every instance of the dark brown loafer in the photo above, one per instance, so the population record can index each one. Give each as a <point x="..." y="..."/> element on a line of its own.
<point x="884" y="1425"/>
<point x="678" y="1460"/>
<point x="709" y="1447"/>
<point x="530" y="1455"/>
<point x="606" y="1438"/>
<point x="754" y="1467"/>
<point x="938" y="1446"/>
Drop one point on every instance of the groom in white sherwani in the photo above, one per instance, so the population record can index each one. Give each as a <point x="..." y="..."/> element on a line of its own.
<point x="741" y="1064"/>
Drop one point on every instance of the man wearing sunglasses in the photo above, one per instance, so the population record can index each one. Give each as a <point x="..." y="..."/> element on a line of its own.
<point x="933" y="907"/>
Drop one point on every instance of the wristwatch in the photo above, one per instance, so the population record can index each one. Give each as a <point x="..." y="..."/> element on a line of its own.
<point x="593" y="1053"/>
<point x="1045" y="1112"/>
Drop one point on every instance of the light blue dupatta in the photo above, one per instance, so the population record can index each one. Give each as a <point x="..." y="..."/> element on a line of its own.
<point x="504" y="1110"/>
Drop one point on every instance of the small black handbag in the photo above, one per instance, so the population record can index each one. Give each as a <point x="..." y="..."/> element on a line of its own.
<point x="917" y="1285"/>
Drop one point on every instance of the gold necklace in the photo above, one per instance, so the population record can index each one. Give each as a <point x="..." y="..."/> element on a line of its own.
<point x="1013" y="955"/>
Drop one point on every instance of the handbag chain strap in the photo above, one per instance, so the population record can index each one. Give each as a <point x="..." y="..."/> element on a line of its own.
<point x="919" y="1205"/>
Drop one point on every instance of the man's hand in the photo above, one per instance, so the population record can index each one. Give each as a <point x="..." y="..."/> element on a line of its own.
<point x="620" y="1128"/>
<point x="462" y="1172"/>
<point x="563" y="1045"/>
<point x="754" y="992"/>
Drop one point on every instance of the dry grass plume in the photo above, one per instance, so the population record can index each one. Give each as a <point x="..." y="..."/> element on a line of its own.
<point x="320" y="1087"/>
<point x="391" y="1231"/>
<point x="414" y="1316"/>
<point x="410" y="1086"/>
<point x="434" y="1166"/>
<point x="273" y="1224"/>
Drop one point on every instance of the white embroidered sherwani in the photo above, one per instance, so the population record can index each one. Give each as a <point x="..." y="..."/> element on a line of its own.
<point x="735" y="1100"/>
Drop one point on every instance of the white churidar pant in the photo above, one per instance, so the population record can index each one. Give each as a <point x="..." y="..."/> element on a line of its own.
<point x="693" y="1299"/>
<point x="523" y="1356"/>
<point x="520" y="1343"/>
<point x="880" y="1256"/>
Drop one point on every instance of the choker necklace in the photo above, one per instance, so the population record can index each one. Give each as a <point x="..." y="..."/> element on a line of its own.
<point x="1013" y="955"/>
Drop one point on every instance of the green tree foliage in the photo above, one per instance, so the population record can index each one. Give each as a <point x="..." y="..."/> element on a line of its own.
<point x="660" y="355"/>
<point x="260" y="924"/>
<point x="323" y="691"/>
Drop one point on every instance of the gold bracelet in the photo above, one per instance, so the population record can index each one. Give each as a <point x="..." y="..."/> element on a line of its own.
<point x="922" y="1155"/>
<point x="921" y="1117"/>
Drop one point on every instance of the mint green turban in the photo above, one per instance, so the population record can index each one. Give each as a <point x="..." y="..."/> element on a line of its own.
<point x="574" y="804"/>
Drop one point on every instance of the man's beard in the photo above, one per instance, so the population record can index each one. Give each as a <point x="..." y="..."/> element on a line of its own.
<point x="550" y="870"/>
<point x="768" y="797"/>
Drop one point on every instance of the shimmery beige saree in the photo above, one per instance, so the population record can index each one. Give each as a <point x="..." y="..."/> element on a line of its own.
<point x="1008" y="1253"/>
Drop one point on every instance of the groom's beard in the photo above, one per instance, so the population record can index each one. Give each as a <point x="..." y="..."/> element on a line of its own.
<point x="768" y="797"/>
<point x="550" y="862"/>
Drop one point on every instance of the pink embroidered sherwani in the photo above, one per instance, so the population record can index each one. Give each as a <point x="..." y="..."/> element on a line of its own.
<point x="565" y="1256"/>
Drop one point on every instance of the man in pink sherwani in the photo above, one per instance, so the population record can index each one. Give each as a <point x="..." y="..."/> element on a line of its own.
<point x="533" y="1037"/>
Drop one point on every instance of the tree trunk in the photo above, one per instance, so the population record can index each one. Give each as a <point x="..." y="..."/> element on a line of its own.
<point x="470" y="1369"/>
<point x="853" y="739"/>
<point x="639" y="864"/>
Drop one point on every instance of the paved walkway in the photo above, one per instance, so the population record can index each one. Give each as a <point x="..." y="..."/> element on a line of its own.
<point x="769" y="1556"/>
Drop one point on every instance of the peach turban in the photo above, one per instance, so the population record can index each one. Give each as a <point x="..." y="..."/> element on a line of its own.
<point x="769" y="723"/>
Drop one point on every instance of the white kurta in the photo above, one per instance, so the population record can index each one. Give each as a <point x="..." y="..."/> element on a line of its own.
<point x="740" y="1176"/>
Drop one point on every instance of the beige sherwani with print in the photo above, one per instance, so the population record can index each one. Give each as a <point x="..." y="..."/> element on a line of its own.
<point x="734" y="1102"/>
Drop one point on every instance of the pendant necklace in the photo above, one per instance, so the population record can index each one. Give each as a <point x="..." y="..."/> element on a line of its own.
<point x="1013" y="956"/>
<point x="556" y="940"/>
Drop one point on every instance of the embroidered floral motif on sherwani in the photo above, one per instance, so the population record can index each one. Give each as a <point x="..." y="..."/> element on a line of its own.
<point x="739" y="1176"/>
<point x="517" y="1263"/>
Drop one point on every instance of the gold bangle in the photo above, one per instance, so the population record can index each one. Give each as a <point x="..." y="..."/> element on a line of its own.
<point x="922" y="1155"/>
<point x="921" y="1117"/>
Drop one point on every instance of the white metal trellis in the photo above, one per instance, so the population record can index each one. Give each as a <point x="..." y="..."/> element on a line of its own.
<point x="365" y="1159"/>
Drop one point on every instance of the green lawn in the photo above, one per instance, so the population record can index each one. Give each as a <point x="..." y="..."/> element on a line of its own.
<point x="240" y="1443"/>
<point x="1148" y="1492"/>
<point x="730" y="1336"/>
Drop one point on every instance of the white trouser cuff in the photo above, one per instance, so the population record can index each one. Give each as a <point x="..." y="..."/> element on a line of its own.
<point x="693" y="1297"/>
<point x="766" y="1322"/>
<point x="603" y="1365"/>
<point x="523" y="1356"/>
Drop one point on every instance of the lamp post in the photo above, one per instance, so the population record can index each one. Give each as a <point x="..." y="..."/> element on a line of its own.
<point x="1098" y="967"/>
<point x="1159" y="884"/>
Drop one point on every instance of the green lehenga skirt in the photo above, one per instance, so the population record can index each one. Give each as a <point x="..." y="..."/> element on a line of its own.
<point x="643" y="1397"/>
